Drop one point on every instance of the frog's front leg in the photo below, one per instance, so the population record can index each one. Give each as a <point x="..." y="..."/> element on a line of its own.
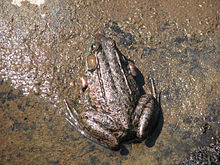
<point x="100" y="127"/>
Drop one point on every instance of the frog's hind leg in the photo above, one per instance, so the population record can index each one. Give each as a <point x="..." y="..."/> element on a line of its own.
<point x="146" y="114"/>
<point x="100" y="128"/>
<point x="92" y="130"/>
<point x="145" y="109"/>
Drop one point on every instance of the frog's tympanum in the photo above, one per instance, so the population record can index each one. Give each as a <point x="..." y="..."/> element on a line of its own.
<point x="114" y="111"/>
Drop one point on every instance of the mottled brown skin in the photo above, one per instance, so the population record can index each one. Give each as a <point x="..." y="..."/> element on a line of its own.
<point x="115" y="110"/>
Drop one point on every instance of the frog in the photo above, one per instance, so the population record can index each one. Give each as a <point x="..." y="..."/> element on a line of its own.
<point x="114" y="109"/>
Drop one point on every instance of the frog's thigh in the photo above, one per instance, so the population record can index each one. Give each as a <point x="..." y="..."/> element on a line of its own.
<point x="94" y="124"/>
<point x="144" y="113"/>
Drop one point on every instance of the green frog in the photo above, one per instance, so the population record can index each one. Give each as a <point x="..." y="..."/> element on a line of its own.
<point x="114" y="111"/>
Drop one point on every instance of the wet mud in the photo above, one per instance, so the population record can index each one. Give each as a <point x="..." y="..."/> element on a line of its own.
<point x="42" y="51"/>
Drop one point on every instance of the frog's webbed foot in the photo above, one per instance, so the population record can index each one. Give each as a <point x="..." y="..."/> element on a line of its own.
<point x="146" y="115"/>
<point x="100" y="128"/>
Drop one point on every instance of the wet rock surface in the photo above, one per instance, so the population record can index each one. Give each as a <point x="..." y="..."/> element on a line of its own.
<point x="41" y="53"/>
<point x="205" y="155"/>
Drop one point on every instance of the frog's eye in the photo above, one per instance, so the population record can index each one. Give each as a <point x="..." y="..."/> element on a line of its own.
<point x="96" y="46"/>
<point x="111" y="43"/>
<point x="132" y="68"/>
<point x="92" y="62"/>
